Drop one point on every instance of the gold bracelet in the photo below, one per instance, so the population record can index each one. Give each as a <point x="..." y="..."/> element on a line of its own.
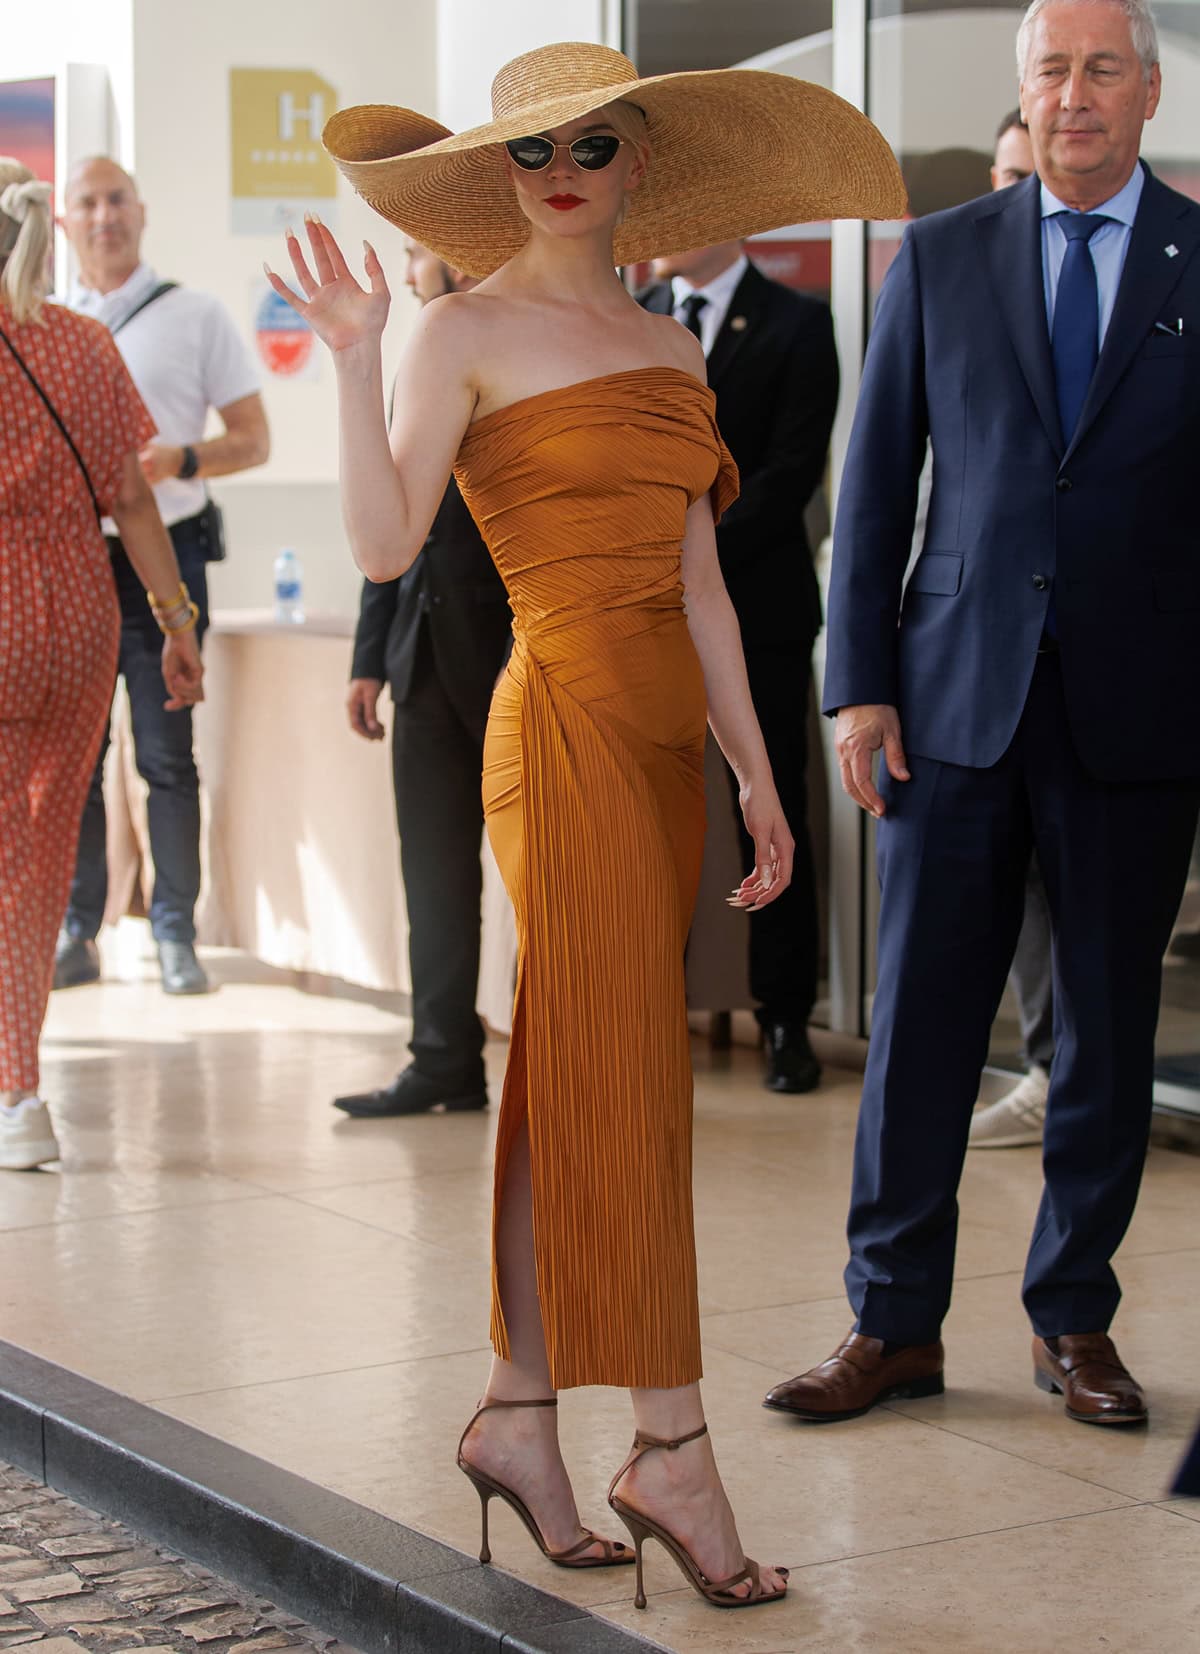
<point x="176" y="602"/>
<point x="189" y="624"/>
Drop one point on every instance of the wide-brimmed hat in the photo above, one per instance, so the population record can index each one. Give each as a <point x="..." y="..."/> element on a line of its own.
<point x="734" y="152"/>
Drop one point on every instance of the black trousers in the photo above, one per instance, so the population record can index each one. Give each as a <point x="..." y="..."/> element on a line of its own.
<point x="162" y="747"/>
<point x="785" y="937"/>
<point x="954" y="851"/>
<point x="437" y="769"/>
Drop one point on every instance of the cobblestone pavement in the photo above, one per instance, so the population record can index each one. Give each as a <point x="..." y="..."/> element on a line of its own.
<point x="70" y="1579"/>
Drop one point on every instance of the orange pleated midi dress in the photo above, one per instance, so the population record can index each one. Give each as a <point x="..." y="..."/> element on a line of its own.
<point x="594" y="798"/>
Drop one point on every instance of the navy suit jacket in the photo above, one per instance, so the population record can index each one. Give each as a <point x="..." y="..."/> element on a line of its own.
<point x="960" y="355"/>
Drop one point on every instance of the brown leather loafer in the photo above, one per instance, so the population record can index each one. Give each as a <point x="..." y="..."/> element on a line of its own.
<point x="1087" y="1372"/>
<point x="857" y="1377"/>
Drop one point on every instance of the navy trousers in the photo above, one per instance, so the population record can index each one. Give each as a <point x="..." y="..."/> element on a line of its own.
<point x="954" y="851"/>
<point x="162" y="745"/>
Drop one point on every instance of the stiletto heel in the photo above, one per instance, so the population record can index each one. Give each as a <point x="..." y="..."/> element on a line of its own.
<point x="614" y="1553"/>
<point x="485" y="1494"/>
<point x="720" y="1592"/>
<point x="638" y="1532"/>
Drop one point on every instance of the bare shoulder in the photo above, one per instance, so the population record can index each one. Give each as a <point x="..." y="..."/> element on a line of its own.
<point x="444" y="339"/>
<point x="681" y="348"/>
<point x="443" y="321"/>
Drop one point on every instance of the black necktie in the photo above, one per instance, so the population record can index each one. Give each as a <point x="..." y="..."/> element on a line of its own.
<point x="691" y="307"/>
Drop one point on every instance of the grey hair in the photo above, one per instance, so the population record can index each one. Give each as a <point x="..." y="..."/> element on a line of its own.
<point x="1142" y="29"/>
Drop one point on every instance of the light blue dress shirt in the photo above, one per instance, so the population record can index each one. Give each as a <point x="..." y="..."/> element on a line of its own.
<point x="1108" y="246"/>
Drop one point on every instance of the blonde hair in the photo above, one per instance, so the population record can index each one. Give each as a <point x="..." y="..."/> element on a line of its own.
<point x="629" y="124"/>
<point x="627" y="121"/>
<point x="24" y="239"/>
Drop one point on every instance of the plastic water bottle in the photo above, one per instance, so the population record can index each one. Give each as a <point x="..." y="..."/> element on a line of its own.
<point x="289" y="589"/>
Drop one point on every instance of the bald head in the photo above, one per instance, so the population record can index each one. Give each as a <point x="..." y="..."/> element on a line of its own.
<point x="103" y="218"/>
<point x="98" y="170"/>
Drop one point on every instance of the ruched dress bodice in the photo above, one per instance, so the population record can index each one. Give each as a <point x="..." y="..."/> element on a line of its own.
<point x="594" y="794"/>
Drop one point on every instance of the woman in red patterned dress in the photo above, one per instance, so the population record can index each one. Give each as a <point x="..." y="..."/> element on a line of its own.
<point x="71" y="424"/>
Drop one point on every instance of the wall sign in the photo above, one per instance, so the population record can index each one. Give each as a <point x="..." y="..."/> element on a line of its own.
<point x="284" y="341"/>
<point x="280" y="170"/>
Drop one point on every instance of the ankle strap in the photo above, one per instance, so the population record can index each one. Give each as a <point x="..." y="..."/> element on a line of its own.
<point x="487" y="1405"/>
<point x="641" y="1441"/>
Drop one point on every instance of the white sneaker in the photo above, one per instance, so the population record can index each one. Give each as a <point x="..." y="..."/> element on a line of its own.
<point x="26" y="1136"/>
<point x="1017" y="1120"/>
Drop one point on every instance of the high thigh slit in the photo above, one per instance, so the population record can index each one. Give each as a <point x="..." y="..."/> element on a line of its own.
<point x="594" y="798"/>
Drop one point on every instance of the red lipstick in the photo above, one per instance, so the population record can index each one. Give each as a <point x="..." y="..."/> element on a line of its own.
<point x="564" y="203"/>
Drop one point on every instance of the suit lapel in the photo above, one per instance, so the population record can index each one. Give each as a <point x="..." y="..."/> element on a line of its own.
<point x="744" y="313"/>
<point x="1149" y="275"/>
<point x="1011" y="242"/>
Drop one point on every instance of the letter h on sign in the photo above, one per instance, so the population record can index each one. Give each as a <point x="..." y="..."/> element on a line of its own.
<point x="289" y="115"/>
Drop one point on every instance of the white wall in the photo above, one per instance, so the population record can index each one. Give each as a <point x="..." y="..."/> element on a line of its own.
<point x="433" y="55"/>
<point x="475" y="37"/>
<point x="370" y="52"/>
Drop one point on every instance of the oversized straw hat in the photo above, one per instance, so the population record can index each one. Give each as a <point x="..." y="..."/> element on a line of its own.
<point x="734" y="152"/>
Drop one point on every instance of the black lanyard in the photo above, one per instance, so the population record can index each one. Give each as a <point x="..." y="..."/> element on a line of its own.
<point x="57" y="418"/>
<point x="163" y="287"/>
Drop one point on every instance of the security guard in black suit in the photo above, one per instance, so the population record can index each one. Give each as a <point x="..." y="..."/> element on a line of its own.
<point x="774" y="368"/>
<point x="438" y="636"/>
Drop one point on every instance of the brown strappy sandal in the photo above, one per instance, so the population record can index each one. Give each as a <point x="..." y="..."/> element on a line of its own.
<point x="720" y="1592"/>
<point x="614" y="1554"/>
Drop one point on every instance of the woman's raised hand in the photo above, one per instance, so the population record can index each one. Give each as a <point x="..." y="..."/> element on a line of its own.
<point x="340" y="312"/>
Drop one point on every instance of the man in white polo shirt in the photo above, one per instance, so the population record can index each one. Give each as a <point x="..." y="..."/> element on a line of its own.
<point x="186" y="358"/>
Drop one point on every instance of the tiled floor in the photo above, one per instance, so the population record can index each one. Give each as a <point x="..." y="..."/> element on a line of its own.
<point x="222" y="1244"/>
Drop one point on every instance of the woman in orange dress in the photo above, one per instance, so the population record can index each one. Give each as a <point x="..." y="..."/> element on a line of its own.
<point x="582" y="435"/>
<point x="71" y="424"/>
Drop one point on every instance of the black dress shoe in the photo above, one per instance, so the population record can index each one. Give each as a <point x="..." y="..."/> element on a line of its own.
<point x="412" y="1093"/>
<point x="76" y="961"/>
<point x="791" y="1065"/>
<point x="182" y="972"/>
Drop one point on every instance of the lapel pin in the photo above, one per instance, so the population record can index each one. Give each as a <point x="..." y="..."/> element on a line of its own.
<point x="738" y="324"/>
<point x="1172" y="251"/>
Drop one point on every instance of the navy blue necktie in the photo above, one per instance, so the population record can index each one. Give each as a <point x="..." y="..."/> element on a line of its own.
<point x="1075" y="336"/>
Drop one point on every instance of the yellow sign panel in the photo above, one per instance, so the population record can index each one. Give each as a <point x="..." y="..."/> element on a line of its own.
<point x="279" y="166"/>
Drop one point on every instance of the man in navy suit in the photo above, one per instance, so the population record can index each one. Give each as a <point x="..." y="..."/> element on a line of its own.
<point x="1035" y="685"/>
